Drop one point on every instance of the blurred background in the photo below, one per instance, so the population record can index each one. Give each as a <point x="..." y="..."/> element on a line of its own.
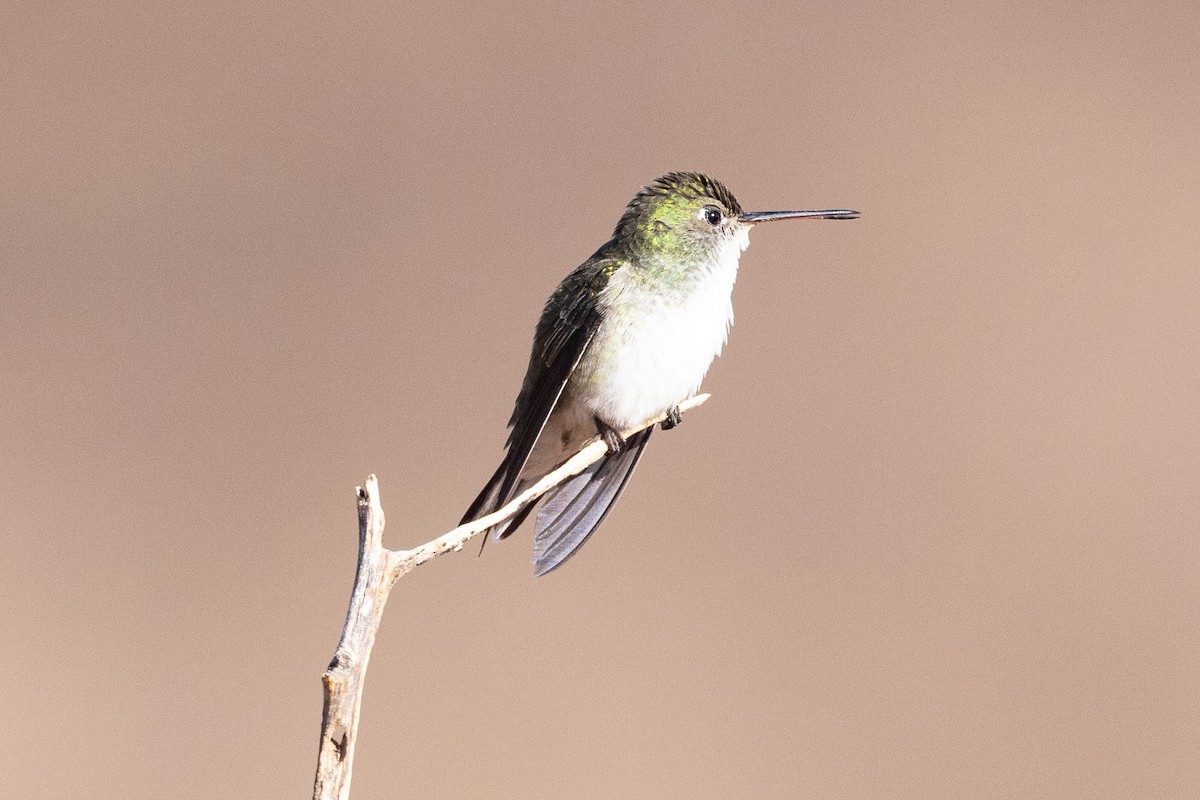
<point x="935" y="535"/>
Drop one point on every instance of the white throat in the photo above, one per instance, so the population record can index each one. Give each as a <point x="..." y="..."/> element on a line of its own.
<point x="653" y="351"/>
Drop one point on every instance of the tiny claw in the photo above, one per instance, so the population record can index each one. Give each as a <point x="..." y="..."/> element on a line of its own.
<point x="611" y="436"/>
<point x="673" y="418"/>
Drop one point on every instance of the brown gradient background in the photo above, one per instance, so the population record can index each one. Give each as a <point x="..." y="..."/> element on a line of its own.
<point x="934" y="536"/>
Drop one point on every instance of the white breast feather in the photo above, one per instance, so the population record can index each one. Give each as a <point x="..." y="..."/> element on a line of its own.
<point x="651" y="353"/>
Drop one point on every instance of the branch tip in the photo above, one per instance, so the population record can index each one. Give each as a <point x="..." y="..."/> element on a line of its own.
<point x="378" y="569"/>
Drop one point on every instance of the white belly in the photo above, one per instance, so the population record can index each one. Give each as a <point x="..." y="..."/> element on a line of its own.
<point x="652" y="353"/>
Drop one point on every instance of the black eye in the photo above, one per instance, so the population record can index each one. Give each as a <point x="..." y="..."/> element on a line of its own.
<point x="712" y="215"/>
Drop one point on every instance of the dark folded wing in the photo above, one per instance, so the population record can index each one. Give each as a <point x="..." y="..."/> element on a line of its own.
<point x="567" y="325"/>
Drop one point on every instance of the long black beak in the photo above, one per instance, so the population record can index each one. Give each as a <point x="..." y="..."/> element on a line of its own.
<point x="766" y="216"/>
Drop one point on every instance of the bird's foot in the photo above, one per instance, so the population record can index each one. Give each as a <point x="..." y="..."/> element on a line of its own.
<point x="673" y="418"/>
<point x="611" y="436"/>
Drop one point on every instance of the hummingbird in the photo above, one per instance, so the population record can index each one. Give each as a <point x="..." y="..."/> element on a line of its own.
<point x="627" y="336"/>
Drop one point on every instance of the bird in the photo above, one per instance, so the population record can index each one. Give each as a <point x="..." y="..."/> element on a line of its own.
<point x="625" y="337"/>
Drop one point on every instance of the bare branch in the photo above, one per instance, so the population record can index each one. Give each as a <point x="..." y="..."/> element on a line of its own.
<point x="378" y="569"/>
<point x="343" y="680"/>
<point x="455" y="539"/>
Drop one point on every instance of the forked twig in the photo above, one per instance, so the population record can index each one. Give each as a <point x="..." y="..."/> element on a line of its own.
<point x="378" y="569"/>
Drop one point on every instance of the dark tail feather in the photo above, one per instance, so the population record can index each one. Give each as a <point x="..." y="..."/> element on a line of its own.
<point x="575" y="509"/>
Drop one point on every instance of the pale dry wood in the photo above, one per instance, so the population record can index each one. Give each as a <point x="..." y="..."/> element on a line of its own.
<point x="378" y="569"/>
